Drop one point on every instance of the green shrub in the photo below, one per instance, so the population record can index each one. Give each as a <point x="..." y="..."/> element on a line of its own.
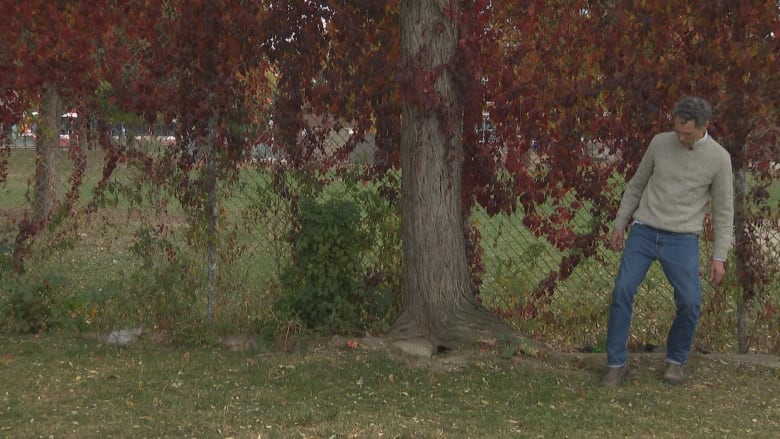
<point x="28" y="311"/>
<point x="32" y="306"/>
<point x="165" y="288"/>
<point x="381" y="220"/>
<point x="324" y="286"/>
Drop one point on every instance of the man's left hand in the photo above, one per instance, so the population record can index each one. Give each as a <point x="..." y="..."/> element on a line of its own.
<point x="717" y="271"/>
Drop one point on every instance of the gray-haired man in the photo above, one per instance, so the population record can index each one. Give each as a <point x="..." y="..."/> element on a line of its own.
<point x="667" y="198"/>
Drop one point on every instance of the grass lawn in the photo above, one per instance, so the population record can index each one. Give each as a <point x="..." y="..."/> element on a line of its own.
<point x="62" y="385"/>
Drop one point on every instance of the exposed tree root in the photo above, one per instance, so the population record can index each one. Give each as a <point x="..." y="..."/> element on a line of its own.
<point x="464" y="329"/>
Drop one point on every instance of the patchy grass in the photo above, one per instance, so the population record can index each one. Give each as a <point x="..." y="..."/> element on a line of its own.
<point x="67" y="386"/>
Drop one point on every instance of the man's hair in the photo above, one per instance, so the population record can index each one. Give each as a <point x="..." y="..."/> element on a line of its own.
<point x="692" y="108"/>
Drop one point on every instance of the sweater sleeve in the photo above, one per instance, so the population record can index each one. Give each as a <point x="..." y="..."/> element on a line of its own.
<point x="635" y="188"/>
<point x="722" y="193"/>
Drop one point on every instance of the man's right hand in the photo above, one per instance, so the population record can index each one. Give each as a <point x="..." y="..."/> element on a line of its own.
<point x="617" y="239"/>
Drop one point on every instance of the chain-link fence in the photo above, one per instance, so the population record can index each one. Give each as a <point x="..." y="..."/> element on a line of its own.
<point x="135" y="256"/>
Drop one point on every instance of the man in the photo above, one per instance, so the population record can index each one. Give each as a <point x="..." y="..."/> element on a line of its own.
<point x="681" y="171"/>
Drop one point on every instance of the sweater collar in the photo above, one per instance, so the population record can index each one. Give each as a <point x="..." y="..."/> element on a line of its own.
<point x="701" y="141"/>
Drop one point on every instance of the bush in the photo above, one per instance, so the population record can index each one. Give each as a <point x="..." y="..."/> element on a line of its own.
<point x="32" y="306"/>
<point x="324" y="286"/>
<point x="165" y="287"/>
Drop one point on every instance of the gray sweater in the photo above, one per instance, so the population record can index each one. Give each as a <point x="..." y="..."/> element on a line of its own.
<point x="673" y="184"/>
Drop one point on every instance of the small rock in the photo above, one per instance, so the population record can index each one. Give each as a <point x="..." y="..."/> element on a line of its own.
<point x="124" y="337"/>
<point x="239" y="342"/>
<point x="418" y="347"/>
<point x="374" y="343"/>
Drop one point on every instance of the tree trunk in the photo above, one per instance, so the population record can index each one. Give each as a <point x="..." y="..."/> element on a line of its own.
<point x="212" y="212"/>
<point x="46" y="175"/>
<point x="46" y="191"/>
<point x="438" y="303"/>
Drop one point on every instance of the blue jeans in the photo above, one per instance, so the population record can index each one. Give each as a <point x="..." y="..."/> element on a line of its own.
<point x="678" y="254"/>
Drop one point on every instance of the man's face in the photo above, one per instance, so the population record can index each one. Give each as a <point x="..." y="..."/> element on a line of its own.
<point x="688" y="133"/>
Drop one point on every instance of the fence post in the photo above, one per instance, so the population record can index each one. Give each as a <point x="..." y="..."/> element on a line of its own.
<point x="744" y="263"/>
<point x="211" y="211"/>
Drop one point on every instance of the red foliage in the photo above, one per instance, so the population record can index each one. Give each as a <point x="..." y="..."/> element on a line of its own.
<point x="55" y="43"/>
<point x="549" y="75"/>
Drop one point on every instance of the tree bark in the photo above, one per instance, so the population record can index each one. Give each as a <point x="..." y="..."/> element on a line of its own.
<point x="46" y="191"/>
<point x="438" y="303"/>
<point x="212" y="211"/>
<point x="46" y="175"/>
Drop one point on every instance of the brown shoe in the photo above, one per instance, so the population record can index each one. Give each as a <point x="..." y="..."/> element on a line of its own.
<point x="615" y="376"/>
<point x="674" y="374"/>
